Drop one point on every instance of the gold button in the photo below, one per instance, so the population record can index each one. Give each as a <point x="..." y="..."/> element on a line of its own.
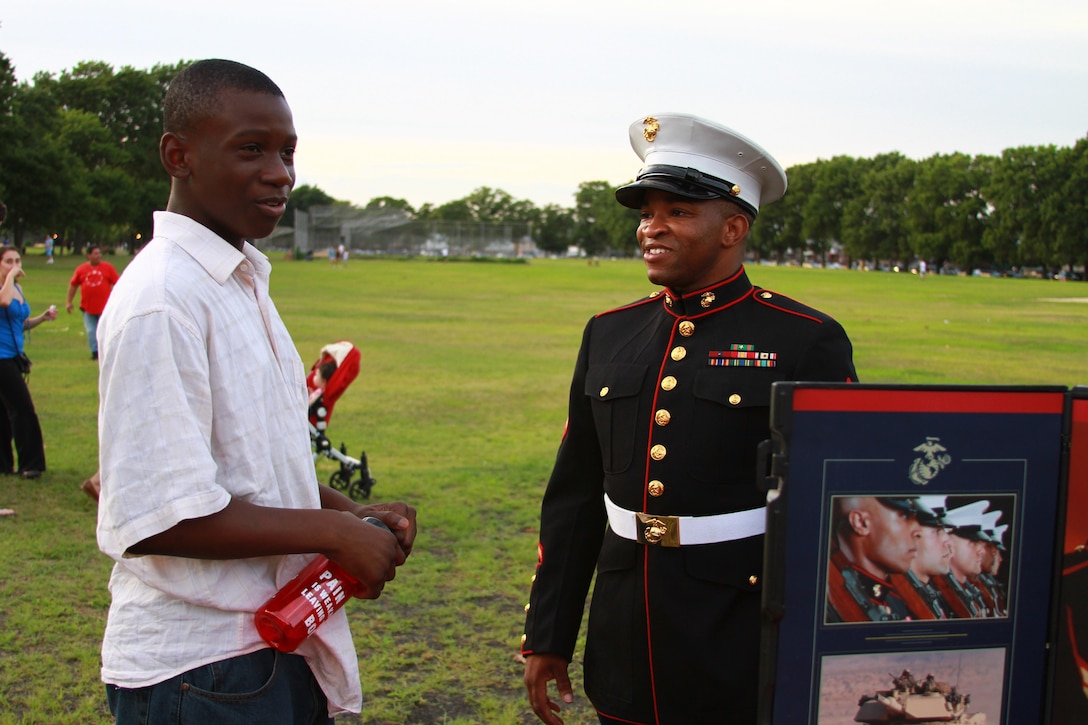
<point x="604" y="391"/>
<point x="753" y="580"/>
<point x="766" y="295"/>
<point x="657" y="452"/>
<point x="734" y="399"/>
<point x="524" y="637"/>
<point x="662" y="417"/>
<point x="527" y="606"/>
<point x="668" y="382"/>
<point x="533" y="580"/>
<point x="678" y="353"/>
<point x="656" y="488"/>
<point x="687" y="328"/>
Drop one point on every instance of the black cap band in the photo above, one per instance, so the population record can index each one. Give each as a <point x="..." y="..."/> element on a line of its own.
<point x="682" y="181"/>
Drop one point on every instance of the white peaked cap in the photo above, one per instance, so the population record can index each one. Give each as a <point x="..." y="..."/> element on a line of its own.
<point x="699" y="159"/>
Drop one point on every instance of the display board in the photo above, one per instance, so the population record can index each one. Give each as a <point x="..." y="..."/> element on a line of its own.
<point x="911" y="542"/>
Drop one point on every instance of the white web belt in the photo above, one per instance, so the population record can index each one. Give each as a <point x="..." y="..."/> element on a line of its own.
<point x="684" y="530"/>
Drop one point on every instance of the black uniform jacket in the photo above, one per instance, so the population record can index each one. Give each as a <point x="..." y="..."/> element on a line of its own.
<point x="669" y="400"/>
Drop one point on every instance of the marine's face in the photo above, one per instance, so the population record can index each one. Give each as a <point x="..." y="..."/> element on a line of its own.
<point x="241" y="163"/>
<point x="894" y="538"/>
<point x="685" y="243"/>
<point x="934" y="552"/>
<point x="966" y="556"/>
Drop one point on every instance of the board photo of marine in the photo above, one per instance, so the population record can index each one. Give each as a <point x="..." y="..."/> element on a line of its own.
<point x="968" y="542"/>
<point x="933" y="559"/>
<point x="874" y="538"/>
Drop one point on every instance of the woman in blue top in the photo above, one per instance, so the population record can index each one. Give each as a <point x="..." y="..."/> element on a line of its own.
<point x="18" y="420"/>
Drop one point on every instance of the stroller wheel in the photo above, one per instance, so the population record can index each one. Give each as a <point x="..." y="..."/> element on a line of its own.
<point x="341" y="481"/>
<point x="361" y="488"/>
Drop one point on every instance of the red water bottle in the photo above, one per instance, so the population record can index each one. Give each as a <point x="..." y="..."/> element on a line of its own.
<point x="305" y="602"/>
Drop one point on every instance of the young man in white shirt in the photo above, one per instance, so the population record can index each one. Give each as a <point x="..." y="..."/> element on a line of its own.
<point x="209" y="499"/>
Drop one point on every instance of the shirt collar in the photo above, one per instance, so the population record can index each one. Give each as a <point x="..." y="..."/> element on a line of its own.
<point x="218" y="257"/>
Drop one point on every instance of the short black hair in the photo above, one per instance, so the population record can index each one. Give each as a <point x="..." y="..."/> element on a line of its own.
<point x="193" y="93"/>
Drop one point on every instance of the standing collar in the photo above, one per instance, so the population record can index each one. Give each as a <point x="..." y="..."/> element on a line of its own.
<point x="709" y="299"/>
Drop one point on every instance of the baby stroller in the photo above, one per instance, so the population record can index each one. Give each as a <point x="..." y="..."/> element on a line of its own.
<point x="329" y="377"/>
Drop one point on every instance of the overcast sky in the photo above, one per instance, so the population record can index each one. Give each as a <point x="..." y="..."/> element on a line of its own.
<point x="427" y="100"/>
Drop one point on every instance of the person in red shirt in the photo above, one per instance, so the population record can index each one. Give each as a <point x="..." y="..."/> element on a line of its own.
<point x="94" y="279"/>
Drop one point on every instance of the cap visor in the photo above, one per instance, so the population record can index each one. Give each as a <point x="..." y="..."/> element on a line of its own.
<point x="633" y="195"/>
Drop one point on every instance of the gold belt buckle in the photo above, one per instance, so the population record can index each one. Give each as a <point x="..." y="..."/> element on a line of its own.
<point x="658" y="530"/>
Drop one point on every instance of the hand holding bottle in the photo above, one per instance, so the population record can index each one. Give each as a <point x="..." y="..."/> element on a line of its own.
<point x="308" y="600"/>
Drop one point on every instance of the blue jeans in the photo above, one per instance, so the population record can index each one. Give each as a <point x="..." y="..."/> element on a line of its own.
<point x="90" y="324"/>
<point x="265" y="686"/>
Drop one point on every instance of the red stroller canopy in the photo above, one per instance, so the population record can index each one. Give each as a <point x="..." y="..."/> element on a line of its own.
<point x="346" y="356"/>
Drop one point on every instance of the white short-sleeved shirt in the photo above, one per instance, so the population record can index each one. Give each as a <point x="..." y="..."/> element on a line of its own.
<point x="202" y="399"/>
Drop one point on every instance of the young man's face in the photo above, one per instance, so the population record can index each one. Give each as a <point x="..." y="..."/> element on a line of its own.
<point x="686" y="244"/>
<point x="241" y="166"/>
<point x="94" y="256"/>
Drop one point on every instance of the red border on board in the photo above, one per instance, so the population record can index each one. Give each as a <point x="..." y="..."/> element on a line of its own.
<point x="860" y="400"/>
<point x="1076" y="519"/>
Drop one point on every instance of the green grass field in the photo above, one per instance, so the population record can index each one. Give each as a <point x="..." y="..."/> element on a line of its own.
<point x="460" y="405"/>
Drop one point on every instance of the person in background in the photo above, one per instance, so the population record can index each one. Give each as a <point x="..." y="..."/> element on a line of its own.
<point x="94" y="280"/>
<point x="18" y="419"/>
<point x="669" y="401"/>
<point x="209" y="501"/>
<point x="321" y="376"/>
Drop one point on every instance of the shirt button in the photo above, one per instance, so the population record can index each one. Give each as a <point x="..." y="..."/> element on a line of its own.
<point x="734" y="399"/>
<point x="658" y="452"/>
<point x="687" y="328"/>
<point x="678" y="353"/>
<point x="656" y="488"/>
<point x="604" y="391"/>
<point x="668" y="382"/>
<point x="662" y="417"/>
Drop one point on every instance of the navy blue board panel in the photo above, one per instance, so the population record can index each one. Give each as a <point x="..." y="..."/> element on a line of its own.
<point x="986" y="459"/>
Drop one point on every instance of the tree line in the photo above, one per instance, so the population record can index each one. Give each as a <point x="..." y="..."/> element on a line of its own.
<point x="79" y="157"/>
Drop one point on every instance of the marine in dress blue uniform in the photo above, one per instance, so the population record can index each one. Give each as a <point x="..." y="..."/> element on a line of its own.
<point x="956" y="587"/>
<point x="916" y="586"/>
<point x="654" y="485"/>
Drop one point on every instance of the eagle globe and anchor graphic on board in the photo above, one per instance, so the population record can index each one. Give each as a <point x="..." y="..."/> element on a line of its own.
<point x="932" y="460"/>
